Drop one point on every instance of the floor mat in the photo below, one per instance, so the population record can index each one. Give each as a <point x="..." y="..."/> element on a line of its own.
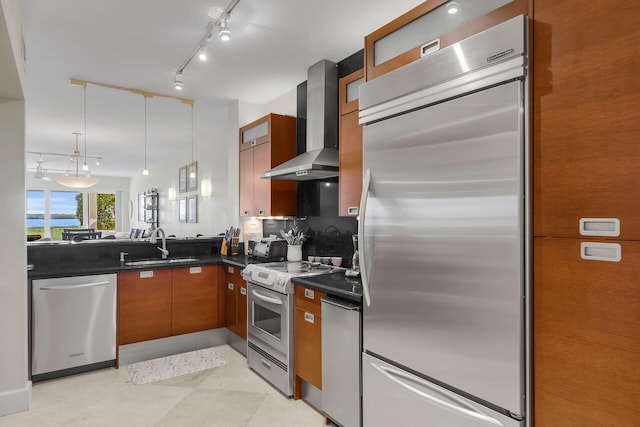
<point x="172" y="366"/>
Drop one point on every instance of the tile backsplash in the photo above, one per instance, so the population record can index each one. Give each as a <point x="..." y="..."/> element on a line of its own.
<point x="326" y="235"/>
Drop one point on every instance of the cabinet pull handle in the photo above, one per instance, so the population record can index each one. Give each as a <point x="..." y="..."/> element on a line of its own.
<point x="230" y="270"/>
<point x="261" y="212"/>
<point x="195" y="270"/>
<point x="243" y="291"/>
<point x="308" y="317"/>
<point x="146" y="274"/>
<point x="265" y="363"/>
<point x="80" y="285"/>
<point x="245" y="213"/>
<point x="230" y="286"/>
<point x="600" y="227"/>
<point x="592" y="251"/>
<point x="352" y="210"/>
<point x="309" y="294"/>
<point x="253" y="143"/>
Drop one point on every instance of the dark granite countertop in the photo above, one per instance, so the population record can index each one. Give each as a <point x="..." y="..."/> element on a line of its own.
<point x="106" y="267"/>
<point x="240" y="260"/>
<point x="335" y="284"/>
<point x="61" y="259"/>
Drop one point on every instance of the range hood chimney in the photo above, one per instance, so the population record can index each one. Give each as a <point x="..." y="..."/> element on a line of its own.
<point x="320" y="160"/>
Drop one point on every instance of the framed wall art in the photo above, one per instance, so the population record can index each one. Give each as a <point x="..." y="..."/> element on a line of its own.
<point x="192" y="209"/>
<point x="182" y="210"/>
<point x="192" y="170"/>
<point x="182" y="179"/>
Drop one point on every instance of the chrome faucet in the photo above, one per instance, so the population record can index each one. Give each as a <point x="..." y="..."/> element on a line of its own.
<point x="154" y="238"/>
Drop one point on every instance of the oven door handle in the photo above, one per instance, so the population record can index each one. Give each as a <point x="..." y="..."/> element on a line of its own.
<point x="266" y="298"/>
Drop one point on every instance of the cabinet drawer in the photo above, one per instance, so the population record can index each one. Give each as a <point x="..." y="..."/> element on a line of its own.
<point x="308" y="299"/>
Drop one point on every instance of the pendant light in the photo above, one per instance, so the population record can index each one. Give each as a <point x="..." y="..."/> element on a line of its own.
<point x="145" y="171"/>
<point x="79" y="181"/>
<point x="192" y="173"/>
<point x="76" y="181"/>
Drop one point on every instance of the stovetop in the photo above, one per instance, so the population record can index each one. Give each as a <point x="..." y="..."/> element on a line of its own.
<point x="277" y="275"/>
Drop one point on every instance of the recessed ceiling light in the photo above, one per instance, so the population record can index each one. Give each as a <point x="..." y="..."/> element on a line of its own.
<point x="453" y="8"/>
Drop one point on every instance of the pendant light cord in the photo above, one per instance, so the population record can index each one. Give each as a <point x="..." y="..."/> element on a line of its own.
<point x="192" y="132"/>
<point x="85" y="125"/>
<point x="145" y="133"/>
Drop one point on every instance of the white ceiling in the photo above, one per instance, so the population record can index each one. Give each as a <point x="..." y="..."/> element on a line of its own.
<point x="141" y="43"/>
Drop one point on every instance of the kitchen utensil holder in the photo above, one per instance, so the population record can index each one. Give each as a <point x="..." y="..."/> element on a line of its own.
<point x="294" y="252"/>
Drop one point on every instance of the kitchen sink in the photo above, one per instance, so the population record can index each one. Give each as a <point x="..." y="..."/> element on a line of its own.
<point x="160" y="261"/>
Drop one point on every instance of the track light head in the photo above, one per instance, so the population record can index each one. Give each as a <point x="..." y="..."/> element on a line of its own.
<point x="202" y="54"/>
<point x="224" y="33"/>
<point x="178" y="83"/>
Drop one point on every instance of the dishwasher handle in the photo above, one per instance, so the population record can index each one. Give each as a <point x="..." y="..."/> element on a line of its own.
<point x="80" y="285"/>
<point x="340" y="304"/>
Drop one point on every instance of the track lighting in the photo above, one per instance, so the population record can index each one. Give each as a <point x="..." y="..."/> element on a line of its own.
<point x="202" y="56"/>
<point x="178" y="83"/>
<point x="224" y="33"/>
<point x="217" y="21"/>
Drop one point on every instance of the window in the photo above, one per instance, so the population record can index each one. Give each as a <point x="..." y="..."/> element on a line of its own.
<point x="102" y="211"/>
<point x="50" y="212"/>
<point x="65" y="211"/>
<point x="35" y="214"/>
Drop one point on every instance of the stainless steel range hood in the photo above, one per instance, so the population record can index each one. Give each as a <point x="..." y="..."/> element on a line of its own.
<point x="320" y="160"/>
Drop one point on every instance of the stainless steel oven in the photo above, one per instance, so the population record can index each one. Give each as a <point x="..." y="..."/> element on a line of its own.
<point x="269" y="320"/>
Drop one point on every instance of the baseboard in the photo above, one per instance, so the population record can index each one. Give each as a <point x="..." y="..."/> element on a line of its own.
<point x="15" y="400"/>
<point x="162" y="347"/>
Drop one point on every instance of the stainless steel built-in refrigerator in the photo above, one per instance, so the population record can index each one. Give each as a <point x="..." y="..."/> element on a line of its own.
<point x="443" y="236"/>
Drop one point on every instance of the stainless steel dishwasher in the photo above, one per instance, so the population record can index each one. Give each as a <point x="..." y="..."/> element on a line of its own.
<point x="341" y="355"/>
<point x="73" y="324"/>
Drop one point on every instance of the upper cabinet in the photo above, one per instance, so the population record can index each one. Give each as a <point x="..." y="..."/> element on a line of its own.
<point x="585" y="115"/>
<point x="264" y="144"/>
<point x="350" y="175"/>
<point x="431" y="26"/>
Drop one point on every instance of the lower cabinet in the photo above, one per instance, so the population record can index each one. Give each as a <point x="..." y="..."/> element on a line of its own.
<point x="307" y="341"/>
<point x="144" y="305"/>
<point x="197" y="299"/>
<point x="156" y="304"/>
<point x="235" y="301"/>
<point x="586" y="337"/>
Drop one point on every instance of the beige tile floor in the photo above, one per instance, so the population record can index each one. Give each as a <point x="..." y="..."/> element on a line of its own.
<point x="227" y="396"/>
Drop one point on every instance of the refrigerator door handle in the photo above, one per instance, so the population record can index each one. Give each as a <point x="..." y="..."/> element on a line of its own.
<point x="449" y="402"/>
<point x="363" y="212"/>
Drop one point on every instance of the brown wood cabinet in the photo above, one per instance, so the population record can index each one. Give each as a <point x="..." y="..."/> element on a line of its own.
<point x="586" y="336"/>
<point x="197" y="299"/>
<point x="350" y="175"/>
<point x="144" y="305"/>
<point x="407" y="42"/>
<point x="586" y="116"/>
<point x="307" y="343"/>
<point x="156" y="304"/>
<point x="235" y="301"/>
<point x="586" y="339"/>
<point x="264" y="144"/>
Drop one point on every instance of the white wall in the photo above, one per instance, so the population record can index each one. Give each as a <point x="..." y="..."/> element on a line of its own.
<point x="15" y="389"/>
<point x="215" y="127"/>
